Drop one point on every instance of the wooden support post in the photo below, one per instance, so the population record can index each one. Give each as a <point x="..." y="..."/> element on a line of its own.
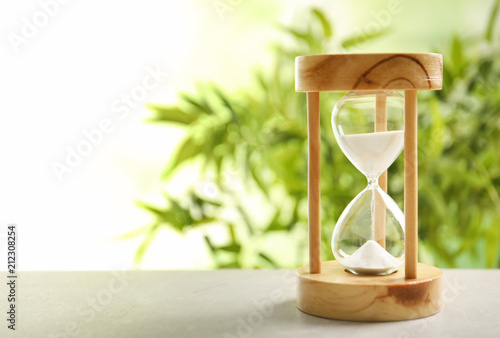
<point x="411" y="184"/>
<point x="379" y="217"/>
<point x="314" y="167"/>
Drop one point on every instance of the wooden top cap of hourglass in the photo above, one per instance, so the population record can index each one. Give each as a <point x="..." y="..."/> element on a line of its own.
<point x="351" y="72"/>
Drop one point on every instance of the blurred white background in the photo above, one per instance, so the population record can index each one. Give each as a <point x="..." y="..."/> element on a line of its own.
<point x="63" y="73"/>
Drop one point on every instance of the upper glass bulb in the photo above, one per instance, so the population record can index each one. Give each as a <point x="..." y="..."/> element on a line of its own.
<point x="370" y="141"/>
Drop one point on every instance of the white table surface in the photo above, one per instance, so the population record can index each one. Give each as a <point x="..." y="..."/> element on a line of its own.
<point x="226" y="303"/>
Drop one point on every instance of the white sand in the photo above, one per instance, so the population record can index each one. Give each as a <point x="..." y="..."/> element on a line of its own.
<point x="372" y="153"/>
<point x="371" y="258"/>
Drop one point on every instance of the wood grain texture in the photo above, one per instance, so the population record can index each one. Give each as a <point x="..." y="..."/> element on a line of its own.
<point x="380" y="126"/>
<point x="351" y="72"/>
<point x="411" y="184"/>
<point x="314" y="166"/>
<point x="338" y="294"/>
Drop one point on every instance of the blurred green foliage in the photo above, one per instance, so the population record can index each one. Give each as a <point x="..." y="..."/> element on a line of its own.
<point x="259" y="133"/>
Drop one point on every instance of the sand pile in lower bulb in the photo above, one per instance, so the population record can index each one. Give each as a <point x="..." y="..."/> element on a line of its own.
<point x="371" y="258"/>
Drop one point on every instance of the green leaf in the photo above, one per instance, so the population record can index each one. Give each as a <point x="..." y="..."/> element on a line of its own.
<point x="362" y="38"/>
<point x="437" y="130"/>
<point x="232" y="233"/>
<point x="230" y="248"/>
<point x="284" y="136"/>
<point x="232" y="265"/>
<point x="275" y="225"/>
<point x="225" y="102"/>
<point x="257" y="179"/>
<point x="268" y="259"/>
<point x="200" y="201"/>
<point x="295" y="215"/>
<point x="188" y="149"/>
<point x="133" y="233"/>
<point x="202" y="106"/>
<point x="435" y="202"/>
<point x="170" y="114"/>
<point x="327" y="29"/>
<point x="491" y="22"/>
<point x="262" y="80"/>
<point x="306" y="37"/>
<point x="246" y="219"/>
<point x="151" y="208"/>
<point x="203" y="221"/>
<point x="209" y="244"/>
<point x="424" y="254"/>
<point x="177" y="216"/>
<point x="457" y="56"/>
<point x="139" y="255"/>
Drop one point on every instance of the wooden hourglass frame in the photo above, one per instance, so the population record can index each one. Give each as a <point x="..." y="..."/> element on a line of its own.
<point x="325" y="289"/>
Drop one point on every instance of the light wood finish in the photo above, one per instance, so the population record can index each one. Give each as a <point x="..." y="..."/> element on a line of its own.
<point x="380" y="126"/>
<point x="411" y="184"/>
<point x="314" y="166"/>
<point x="338" y="294"/>
<point x="350" y="72"/>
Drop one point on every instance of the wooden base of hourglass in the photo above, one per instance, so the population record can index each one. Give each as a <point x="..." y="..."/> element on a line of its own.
<point x="337" y="294"/>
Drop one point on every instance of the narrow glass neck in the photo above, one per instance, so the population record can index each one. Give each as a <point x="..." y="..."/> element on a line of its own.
<point x="372" y="181"/>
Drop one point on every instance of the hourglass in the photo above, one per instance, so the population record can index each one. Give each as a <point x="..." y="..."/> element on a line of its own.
<point x="372" y="239"/>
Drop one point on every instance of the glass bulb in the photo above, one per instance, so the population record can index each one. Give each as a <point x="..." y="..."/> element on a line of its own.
<point x="369" y="235"/>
